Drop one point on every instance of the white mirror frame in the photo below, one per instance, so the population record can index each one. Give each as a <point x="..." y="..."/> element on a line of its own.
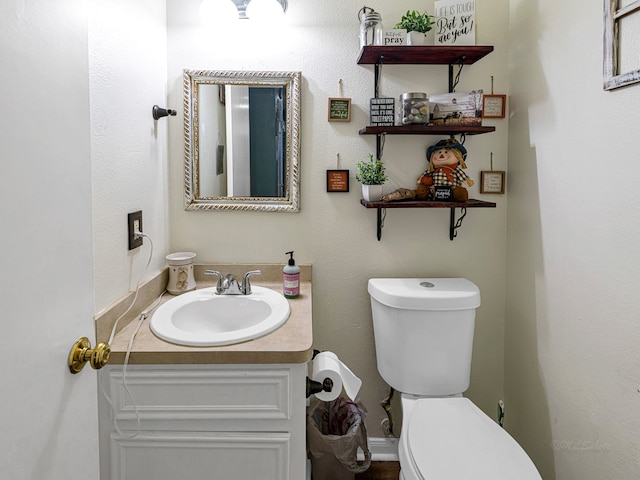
<point x="193" y="201"/>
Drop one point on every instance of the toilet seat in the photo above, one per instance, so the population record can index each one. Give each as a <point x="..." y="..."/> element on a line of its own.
<point x="451" y="438"/>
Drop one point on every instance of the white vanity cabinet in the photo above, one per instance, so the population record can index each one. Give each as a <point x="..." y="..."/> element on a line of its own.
<point x="240" y="422"/>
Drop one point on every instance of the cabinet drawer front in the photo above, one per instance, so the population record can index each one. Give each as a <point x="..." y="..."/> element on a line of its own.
<point x="210" y="393"/>
<point x="237" y="456"/>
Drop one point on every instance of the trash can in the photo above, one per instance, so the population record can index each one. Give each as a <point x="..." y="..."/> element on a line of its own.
<point x="335" y="431"/>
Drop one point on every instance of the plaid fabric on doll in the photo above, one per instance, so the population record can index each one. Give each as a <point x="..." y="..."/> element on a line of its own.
<point x="449" y="176"/>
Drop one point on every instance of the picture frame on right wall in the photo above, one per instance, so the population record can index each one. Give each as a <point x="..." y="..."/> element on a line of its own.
<point x="492" y="181"/>
<point x="494" y="106"/>
<point x="621" y="62"/>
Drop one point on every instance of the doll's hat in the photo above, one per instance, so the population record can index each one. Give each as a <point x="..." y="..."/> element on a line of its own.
<point x="448" y="143"/>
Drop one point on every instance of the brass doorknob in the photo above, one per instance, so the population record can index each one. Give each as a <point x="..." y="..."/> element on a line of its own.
<point x="81" y="353"/>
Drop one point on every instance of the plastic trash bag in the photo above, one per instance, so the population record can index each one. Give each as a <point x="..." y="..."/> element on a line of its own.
<point x="335" y="431"/>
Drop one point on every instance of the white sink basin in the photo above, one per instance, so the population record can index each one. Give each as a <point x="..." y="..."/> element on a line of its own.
<point x="204" y="319"/>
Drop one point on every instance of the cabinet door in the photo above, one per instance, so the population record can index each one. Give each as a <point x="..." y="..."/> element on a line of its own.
<point x="194" y="456"/>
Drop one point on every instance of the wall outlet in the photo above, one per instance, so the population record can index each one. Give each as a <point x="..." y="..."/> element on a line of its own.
<point x="135" y="225"/>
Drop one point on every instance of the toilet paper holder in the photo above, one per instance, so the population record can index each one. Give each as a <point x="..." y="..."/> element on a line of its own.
<point x="314" y="387"/>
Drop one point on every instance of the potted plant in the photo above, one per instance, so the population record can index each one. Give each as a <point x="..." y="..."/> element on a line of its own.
<point x="372" y="176"/>
<point x="417" y="25"/>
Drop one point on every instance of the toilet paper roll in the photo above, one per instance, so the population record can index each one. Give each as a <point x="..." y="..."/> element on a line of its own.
<point x="328" y="365"/>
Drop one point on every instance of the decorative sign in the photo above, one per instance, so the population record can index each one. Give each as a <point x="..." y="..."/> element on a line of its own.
<point x="443" y="193"/>
<point x="394" y="37"/>
<point x="493" y="106"/>
<point x="339" y="110"/>
<point x="455" y="22"/>
<point x="337" y="180"/>
<point x="492" y="182"/>
<point x="382" y="112"/>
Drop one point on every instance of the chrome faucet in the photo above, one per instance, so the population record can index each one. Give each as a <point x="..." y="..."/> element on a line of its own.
<point x="246" y="285"/>
<point x="228" y="284"/>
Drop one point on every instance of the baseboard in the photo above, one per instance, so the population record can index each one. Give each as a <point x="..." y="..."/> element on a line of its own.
<point x="383" y="449"/>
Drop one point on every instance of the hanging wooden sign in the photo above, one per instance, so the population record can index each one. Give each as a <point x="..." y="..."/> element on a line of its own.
<point x="492" y="181"/>
<point x="337" y="181"/>
<point x="339" y="110"/>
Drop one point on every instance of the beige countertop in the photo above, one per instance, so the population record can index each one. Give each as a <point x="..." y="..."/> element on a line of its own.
<point x="291" y="343"/>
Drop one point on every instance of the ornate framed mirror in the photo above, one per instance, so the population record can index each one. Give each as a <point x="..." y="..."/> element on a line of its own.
<point x="242" y="140"/>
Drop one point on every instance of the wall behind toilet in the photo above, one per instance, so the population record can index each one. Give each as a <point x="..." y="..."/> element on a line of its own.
<point x="333" y="231"/>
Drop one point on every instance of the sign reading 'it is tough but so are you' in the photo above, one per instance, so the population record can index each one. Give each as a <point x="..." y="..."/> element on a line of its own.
<point x="455" y="22"/>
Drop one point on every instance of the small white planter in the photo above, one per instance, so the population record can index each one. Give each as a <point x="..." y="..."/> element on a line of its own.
<point x="417" y="38"/>
<point x="372" y="193"/>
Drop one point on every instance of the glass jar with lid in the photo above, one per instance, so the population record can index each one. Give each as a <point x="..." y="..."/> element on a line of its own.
<point x="414" y="108"/>
<point x="370" y="27"/>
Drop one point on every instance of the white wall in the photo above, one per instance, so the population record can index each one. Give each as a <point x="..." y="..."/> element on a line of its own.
<point x="127" y="76"/>
<point x="571" y="362"/>
<point x="333" y="231"/>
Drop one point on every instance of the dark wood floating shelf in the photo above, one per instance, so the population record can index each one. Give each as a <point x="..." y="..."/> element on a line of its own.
<point x="471" y="203"/>
<point x="453" y="224"/>
<point x="425" y="55"/>
<point x="426" y="130"/>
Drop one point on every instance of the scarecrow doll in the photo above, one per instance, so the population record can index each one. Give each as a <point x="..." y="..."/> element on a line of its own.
<point x="445" y="178"/>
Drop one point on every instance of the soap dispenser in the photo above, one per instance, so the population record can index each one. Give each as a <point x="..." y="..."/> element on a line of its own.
<point x="291" y="283"/>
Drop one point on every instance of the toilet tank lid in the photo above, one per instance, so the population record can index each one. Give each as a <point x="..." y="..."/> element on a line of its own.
<point x="426" y="293"/>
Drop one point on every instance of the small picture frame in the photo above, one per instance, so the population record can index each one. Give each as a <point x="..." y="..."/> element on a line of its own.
<point x="494" y="106"/>
<point x="339" y="110"/>
<point x="492" y="181"/>
<point x="337" y="181"/>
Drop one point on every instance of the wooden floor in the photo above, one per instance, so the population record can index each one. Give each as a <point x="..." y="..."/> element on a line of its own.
<point x="381" y="471"/>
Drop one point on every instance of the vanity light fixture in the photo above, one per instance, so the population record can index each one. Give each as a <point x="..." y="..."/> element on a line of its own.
<point x="243" y="6"/>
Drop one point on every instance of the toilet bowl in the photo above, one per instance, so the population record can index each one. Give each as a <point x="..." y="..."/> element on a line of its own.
<point x="423" y="329"/>
<point x="451" y="438"/>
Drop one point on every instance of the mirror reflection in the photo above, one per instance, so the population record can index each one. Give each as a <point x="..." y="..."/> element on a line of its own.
<point x="241" y="140"/>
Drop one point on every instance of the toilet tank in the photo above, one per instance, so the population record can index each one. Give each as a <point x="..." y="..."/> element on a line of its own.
<point x="423" y="329"/>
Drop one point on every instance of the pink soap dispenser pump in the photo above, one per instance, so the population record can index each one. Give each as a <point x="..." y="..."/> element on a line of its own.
<point x="291" y="284"/>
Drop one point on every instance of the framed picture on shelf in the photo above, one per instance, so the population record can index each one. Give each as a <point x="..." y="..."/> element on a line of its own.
<point x="492" y="182"/>
<point x="461" y="109"/>
<point x="493" y="106"/>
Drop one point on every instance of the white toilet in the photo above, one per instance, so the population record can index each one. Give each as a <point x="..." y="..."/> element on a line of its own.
<point x="423" y="330"/>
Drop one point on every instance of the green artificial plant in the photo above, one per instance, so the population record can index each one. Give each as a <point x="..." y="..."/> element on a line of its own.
<point x="371" y="172"/>
<point x="414" y="21"/>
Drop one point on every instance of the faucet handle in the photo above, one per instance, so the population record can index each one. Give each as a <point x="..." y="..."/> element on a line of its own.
<point x="219" y="275"/>
<point x="246" y="285"/>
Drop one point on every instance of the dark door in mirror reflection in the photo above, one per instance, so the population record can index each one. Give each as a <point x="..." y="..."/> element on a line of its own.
<point x="267" y="139"/>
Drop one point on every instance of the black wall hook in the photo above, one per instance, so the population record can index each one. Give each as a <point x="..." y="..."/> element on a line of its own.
<point x="158" y="112"/>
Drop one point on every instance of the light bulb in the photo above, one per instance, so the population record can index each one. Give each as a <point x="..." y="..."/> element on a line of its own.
<point x="264" y="10"/>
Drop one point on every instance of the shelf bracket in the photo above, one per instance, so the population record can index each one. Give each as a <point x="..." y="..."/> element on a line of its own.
<point x="380" y="138"/>
<point x="376" y="93"/>
<point x="377" y="76"/>
<point x="453" y="81"/>
<point x="381" y="217"/>
<point x="455" y="224"/>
